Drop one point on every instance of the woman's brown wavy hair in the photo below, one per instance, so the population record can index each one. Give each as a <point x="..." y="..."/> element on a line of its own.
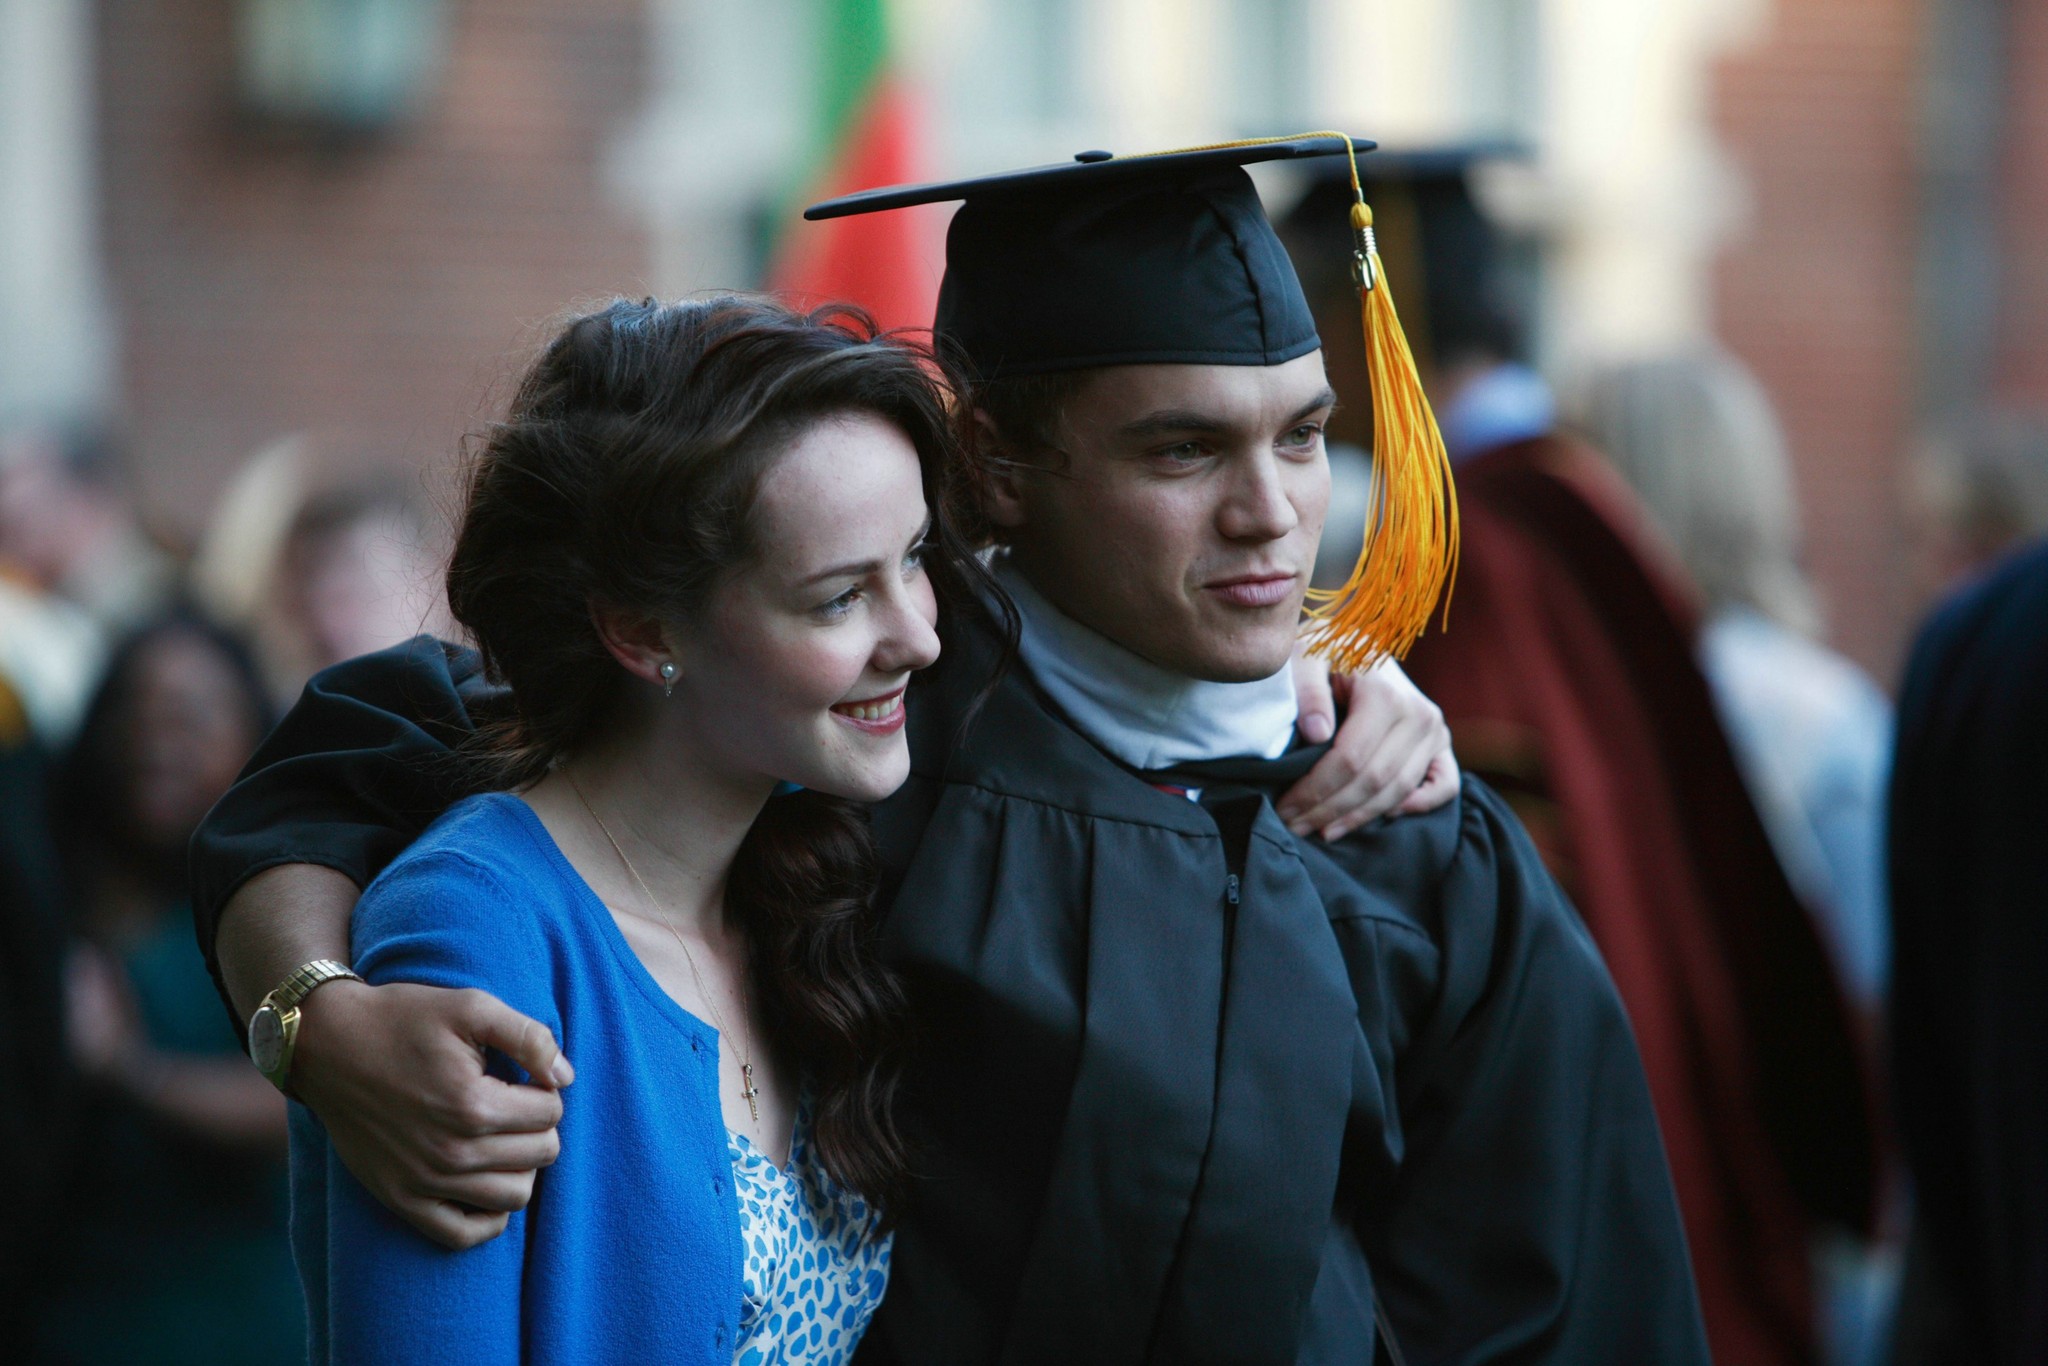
<point x="626" y="473"/>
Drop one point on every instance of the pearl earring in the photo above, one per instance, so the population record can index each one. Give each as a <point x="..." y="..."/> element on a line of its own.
<point x="668" y="678"/>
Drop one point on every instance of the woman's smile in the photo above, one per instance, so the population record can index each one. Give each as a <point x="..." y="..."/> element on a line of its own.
<point x="882" y="715"/>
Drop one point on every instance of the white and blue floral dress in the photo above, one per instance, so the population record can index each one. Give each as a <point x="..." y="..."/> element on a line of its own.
<point x="817" y="1262"/>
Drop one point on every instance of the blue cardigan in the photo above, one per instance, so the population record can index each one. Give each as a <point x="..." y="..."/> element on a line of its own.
<point x="630" y="1250"/>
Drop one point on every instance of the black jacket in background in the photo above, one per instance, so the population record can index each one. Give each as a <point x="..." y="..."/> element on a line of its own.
<point x="1191" y="1090"/>
<point x="1969" y="866"/>
<point x="37" y="1088"/>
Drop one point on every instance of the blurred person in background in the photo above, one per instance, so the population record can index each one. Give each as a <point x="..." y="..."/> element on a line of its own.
<point x="1974" y="493"/>
<point x="57" y="497"/>
<point x="35" y="1090"/>
<point x="1969" y="907"/>
<point x="358" y="572"/>
<point x="1695" y="436"/>
<point x="68" y="522"/>
<point x="1969" y="866"/>
<point x="51" y="653"/>
<point x="1569" y="677"/>
<point x="173" y="1246"/>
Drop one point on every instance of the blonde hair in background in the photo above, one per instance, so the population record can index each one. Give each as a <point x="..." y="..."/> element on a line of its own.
<point x="1695" y="435"/>
<point x="236" y="562"/>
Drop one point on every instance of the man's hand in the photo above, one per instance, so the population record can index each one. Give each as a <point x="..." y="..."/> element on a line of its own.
<point x="396" y="1073"/>
<point x="1392" y="754"/>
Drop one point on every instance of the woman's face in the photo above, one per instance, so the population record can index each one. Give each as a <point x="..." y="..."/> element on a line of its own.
<point x="797" y="669"/>
<point x="189" y="732"/>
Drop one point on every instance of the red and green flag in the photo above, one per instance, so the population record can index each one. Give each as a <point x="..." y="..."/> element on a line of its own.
<point x="868" y="133"/>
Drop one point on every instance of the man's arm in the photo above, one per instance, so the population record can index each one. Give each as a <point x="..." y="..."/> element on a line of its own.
<point x="283" y="916"/>
<point x="353" y="773"/>
<point x="1534" y="1218"/>
<point x="396" y="1072"/>
<point x="358" y="768"/>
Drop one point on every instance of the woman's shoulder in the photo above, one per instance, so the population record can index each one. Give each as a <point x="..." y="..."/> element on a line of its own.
<point x="482" y="865"/>
<point x="477" y="839"/>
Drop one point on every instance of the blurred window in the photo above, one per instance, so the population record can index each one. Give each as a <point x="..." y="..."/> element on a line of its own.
<point x="1035" y="78"/>
<point x="1502" y="47"/>
<point x="342" y="64"/>
<point x="1269" y="66"/>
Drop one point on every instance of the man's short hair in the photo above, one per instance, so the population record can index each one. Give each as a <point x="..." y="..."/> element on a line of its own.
<point x="1029" y="416"/>
<point x="1029" y="412"/>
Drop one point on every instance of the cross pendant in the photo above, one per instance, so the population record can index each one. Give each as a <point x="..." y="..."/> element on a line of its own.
<point x="747" y="1091"/>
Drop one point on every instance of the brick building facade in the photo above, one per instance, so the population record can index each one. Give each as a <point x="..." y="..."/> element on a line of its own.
<point x="1816" y="291"/>
<point x="2020" y="365"/>
<point x="373" y="294"/>
<point x="376" y="294"/>
<point x="1893" y="276"/>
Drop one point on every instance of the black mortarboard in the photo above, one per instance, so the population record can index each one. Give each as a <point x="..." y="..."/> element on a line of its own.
<point x="1107" y="260"/>
<point x="1455" y="269"/>
<point x="1168" y="258"/>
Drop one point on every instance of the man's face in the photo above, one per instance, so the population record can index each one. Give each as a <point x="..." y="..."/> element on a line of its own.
<point x="1182" y="517"/>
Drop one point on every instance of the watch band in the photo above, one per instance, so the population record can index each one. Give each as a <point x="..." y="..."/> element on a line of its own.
<point x="287" y="994"/>
<point x="274" y="1028"/>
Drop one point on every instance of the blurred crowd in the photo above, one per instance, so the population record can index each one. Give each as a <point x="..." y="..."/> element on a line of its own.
<point x="135" y="681"/>
<point x="136" y="678"/>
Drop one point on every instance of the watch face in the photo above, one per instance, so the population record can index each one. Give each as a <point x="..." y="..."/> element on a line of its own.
<point x="266" y="1039"/>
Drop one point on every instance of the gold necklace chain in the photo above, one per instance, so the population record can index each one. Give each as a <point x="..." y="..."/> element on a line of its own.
<point x="747" y="1091"/>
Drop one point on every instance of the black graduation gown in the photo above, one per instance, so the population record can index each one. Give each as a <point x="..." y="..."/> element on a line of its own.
<point x="1969" y="1008"/>
<point x="1188" y="1089"/>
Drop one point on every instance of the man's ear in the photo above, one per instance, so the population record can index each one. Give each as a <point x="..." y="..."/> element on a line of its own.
<point x="1003" y="494"/>
<point x="639" y="642"/>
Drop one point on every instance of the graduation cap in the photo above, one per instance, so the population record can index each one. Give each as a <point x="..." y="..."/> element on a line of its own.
<point x="1460" y="277"/>
<point x="1168" y="258"/>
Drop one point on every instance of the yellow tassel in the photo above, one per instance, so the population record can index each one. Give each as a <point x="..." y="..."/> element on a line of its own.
<point x="1410" y="555"/>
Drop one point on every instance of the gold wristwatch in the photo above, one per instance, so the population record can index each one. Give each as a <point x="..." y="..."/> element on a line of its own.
<point x="274" y="1028"/>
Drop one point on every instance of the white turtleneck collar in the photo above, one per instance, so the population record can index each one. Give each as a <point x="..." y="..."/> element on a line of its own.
<point x="1143" y="715"/>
